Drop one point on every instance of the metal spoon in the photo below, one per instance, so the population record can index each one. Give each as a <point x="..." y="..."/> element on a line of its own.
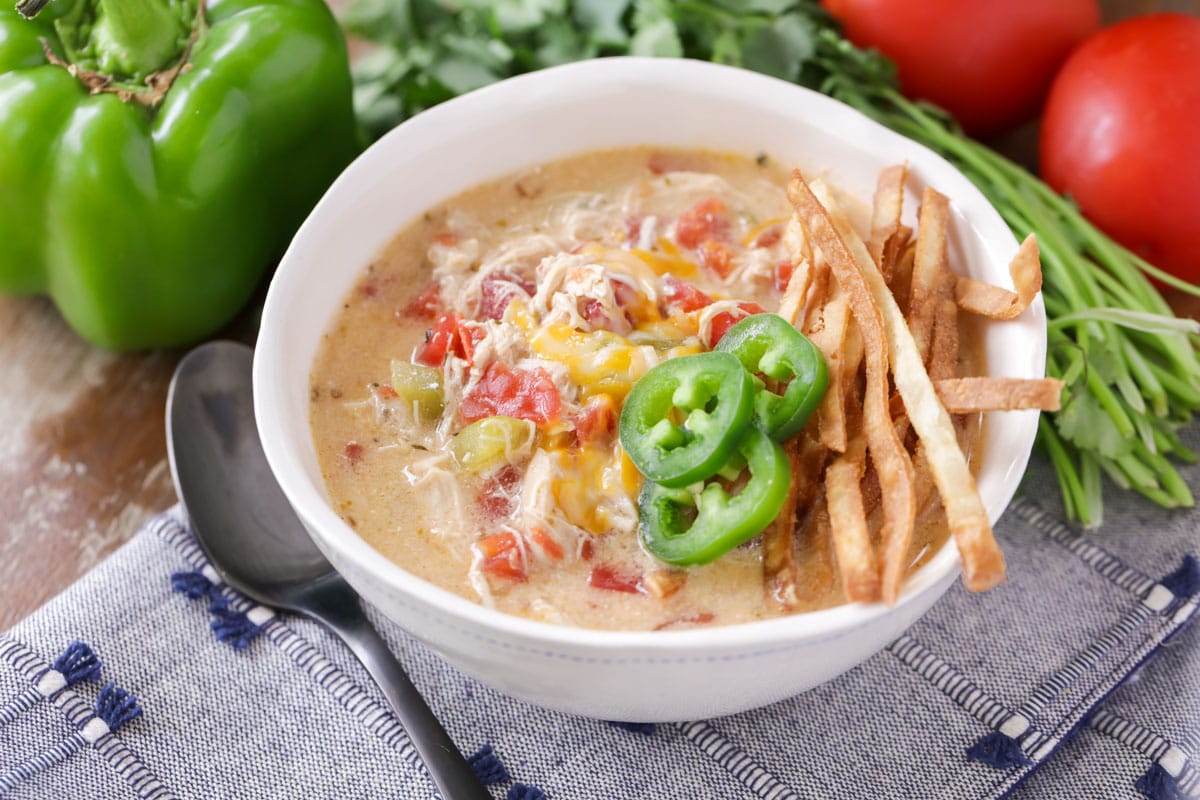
<point x="257" y="544"/>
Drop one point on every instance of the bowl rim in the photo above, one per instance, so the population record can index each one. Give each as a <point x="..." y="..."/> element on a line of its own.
<point x="337" y="536"/>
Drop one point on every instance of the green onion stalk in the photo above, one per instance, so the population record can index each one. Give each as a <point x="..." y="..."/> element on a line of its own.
<point x="1130" y="367"/>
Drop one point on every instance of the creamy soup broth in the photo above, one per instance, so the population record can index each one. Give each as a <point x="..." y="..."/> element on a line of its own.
<point x="592" y="231"/>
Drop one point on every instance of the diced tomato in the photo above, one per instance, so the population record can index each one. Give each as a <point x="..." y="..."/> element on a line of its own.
<point x="700" y="618"/>
<point x="353" y="452"/>
<point x="593" y="311"/>
<point x="624" y="294"/>
<point x="717" y="257"/>
<point x="498" y="290"/>
<point x="705" y="220"/>
<point x="502" y="555"/>
<point x="783" y="275"/>
<point x="438" y="341"/>
<point x="546" y="543"/>
<point x="495" y="499"/>
<point x="385" y="392"/>
<point x="721" y="323"/>
<point x="605" y="576"/>
<point x="449" y="335"/>
<point x="683" y="295"/>
<point x="446" y="238"/>
<point x="427" y="303"/>
<point x="770" y="237"/>
<point x="597" y="419"/>
<point x="522" y="393"/>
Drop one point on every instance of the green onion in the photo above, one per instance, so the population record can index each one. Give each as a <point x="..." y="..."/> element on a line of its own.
<point x="1112" y="337"/>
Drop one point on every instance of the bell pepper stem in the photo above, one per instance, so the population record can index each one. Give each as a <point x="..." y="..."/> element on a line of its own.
<point x="143" y="35"/>
<point x="30" y="8"/>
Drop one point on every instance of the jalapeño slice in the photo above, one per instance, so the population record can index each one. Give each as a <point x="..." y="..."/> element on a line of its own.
<point x="719" y="521"/>
<point x="683" y="419"/>
<point x="766" y="344"/>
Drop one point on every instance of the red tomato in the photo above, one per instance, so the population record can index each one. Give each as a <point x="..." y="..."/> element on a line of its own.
<point x="427" y="303"/>
<point x="684" y="295"/>
<point x="604" y="576"/>
<point x="717" y="257"/>
<point x="721" y="323"/>
<point x="522" y="393"/>
<point x="449" y="335"/>
<point x="597" y="419"/>
<point x="783" y="275"/>
<point x="546" y="544"/>
<point x="1119" y="135"/>
<point x="987" y="63"/>
<point x="498" y="290"/>
<point x="502" y="556"/>
<point x="705" y="220"/>
<point x="495" y="497"/>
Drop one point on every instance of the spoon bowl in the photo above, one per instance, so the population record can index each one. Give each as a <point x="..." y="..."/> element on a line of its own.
<point x="258" y="546"/>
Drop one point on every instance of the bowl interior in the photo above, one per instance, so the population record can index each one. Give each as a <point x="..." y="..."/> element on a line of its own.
<point x="571" y="110"/>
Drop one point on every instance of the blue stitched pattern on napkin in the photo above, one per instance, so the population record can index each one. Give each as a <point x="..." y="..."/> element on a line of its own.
<point x="1079" y="678"/>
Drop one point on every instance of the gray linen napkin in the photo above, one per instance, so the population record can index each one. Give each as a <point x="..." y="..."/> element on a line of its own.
<point x="1079" y="678"/>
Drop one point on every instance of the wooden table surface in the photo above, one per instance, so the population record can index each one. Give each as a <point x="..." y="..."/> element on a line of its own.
<point x="82" y="449"/>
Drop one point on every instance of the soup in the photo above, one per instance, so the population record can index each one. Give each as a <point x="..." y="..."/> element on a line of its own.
<point x="465" y="400"/>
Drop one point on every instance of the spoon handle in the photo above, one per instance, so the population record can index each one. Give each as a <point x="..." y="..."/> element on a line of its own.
<point x="449" y="770"/>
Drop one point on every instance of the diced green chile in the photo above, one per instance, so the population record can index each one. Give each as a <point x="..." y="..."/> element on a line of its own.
<point x="716" y="395"/>
<point x="420" y="386"/>
<point x="721" y="521"/>
<point x="766" y="344"/>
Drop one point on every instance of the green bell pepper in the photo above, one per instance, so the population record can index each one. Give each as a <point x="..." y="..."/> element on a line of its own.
<point x="157" y="155"/>
<point x="718" y="522"/>
<point x="683" y="418"/>
<point x="766" y="344"/>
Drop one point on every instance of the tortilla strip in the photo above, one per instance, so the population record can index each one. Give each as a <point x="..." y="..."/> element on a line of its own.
<point x="852" y="546"/>
<point x="885" y="218"/>
<point x="943" y="355"/>
<point x="780" y="570"/>
<point x="983" y="563"/>
<point x="819" y="290"/>
<point x="887" y="452"/>
<point x="801" y="256"/>
<point x="830" y="340"/>
<point x="970" y="395"/>
<point x="996" y="303"/>
<point x="929" y="268"/>
<point x="901" y="282"/>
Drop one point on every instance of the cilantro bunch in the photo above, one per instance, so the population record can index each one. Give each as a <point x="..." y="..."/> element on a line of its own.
<point x="1131" y="367"/>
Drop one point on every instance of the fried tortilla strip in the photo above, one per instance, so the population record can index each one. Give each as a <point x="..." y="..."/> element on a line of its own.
<point x="800" y="254"/>
<point x="806" y="458"/>
<point x="983" y="563"/>
<point x="852" y="548"/>
<point x="901" y="283"/>
<point x="662" y="583"/>
<point x="885" y="243"/>
<point x="929" y="268"/>
<point x="970" y="395"/>
<point x="888" y="455"/>
<point x="820" y="287"/>
<point x="830" y="340"/>
<point x="996" y="303"/>
<point x="943" y="355"/>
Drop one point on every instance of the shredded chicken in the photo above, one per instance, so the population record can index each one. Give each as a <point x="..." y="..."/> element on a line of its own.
<point x="539" y="507"/>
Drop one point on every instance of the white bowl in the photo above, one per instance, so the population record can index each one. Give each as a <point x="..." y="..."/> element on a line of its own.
<point x="634" y="676"/>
